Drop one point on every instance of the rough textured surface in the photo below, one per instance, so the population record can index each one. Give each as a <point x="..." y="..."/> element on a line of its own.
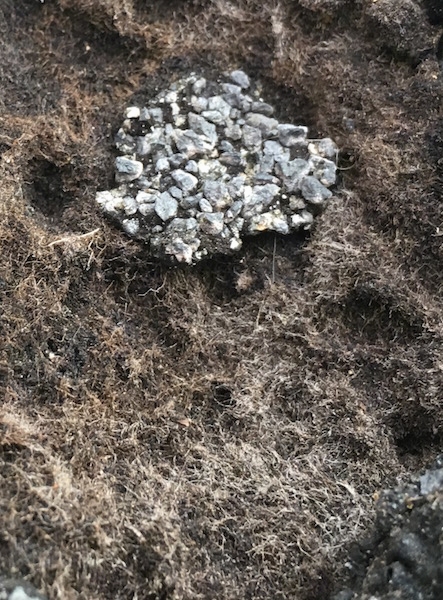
<point x="216" y="431"/>
<point x="405" y="557"/>
<point x="12" y="589"/>
<point x="241" y="172"/>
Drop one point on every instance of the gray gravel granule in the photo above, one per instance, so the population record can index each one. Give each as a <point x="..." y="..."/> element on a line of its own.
<point x="205" y="164"/>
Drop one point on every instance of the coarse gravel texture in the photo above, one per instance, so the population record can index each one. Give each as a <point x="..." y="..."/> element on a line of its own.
<point x="404" y="558"/>
<point x="13" y="589"/>
<point x="206" y="163"/>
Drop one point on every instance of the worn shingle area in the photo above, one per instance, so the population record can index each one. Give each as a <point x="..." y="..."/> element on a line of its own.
<point x="205" y="164"/>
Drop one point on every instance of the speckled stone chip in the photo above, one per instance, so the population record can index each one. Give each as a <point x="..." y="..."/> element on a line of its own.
<point x="205" y="164"/>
